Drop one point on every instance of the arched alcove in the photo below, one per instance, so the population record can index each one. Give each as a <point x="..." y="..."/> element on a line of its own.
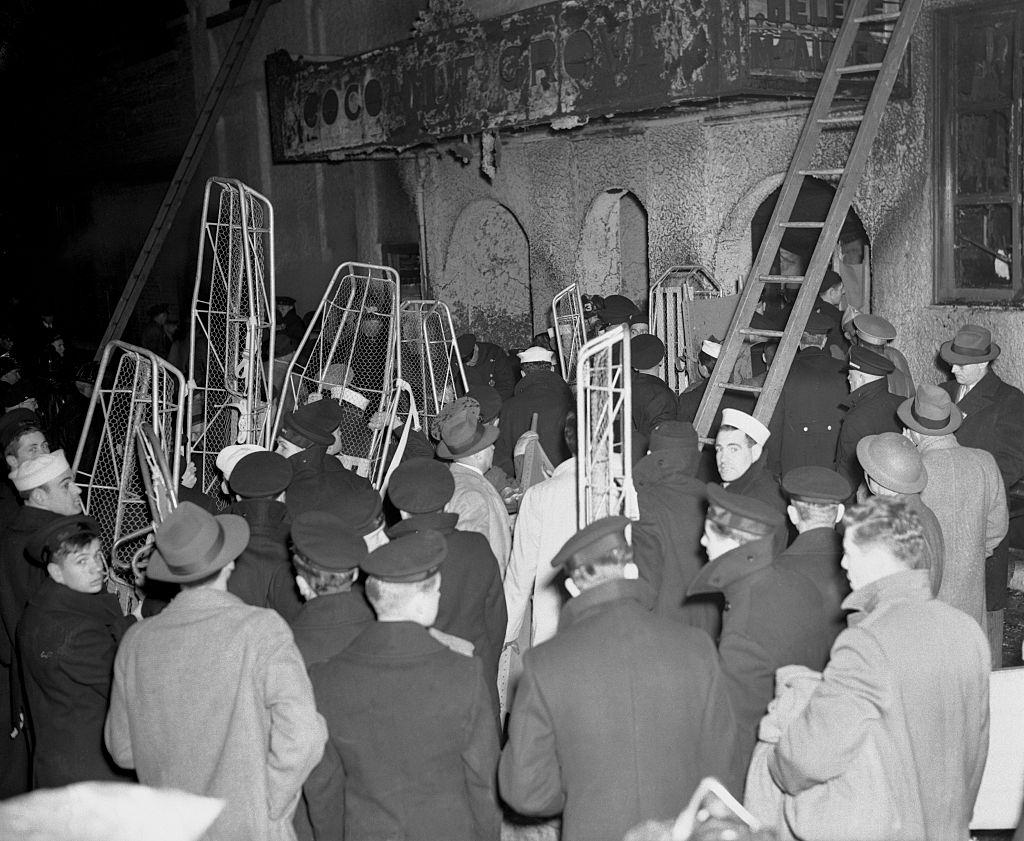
<point x="612" y="255"/>
<point x="486" y="278"/>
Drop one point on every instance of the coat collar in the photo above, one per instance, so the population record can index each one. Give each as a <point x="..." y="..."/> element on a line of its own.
<point x="395" y="639"/>
<point x="814" y="541"/>
<point x="726" y="571"/>
<point x="981" y="396"/>
<point x="912" y="585"/>
<point x="540" y="381"/>
<point x="867" y="392"/>
<point x="348" y="608"/>
<point x="441" y="521"/>
<point x="593" y="600"/>
<point x="930" y="443"/>
<point x="103" y="606"/>
<point x="32" y="519"/>
<point x="261" y="512"/>
<point x="757" y="472"/>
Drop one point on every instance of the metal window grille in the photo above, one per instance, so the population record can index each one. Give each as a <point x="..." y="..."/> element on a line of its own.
<point x="570" y="329"/>
<point x="232" y="335"/>
<point x="351" y="345"/>
<point x="431" y="364"/>
<point x="604" y="418"/>
<point x="136" y="391"/>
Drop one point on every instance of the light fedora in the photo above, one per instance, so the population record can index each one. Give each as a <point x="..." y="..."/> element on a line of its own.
<point x="192" y="544"/>
<point x="462" y="434"/>
<point x="931" y="412"/>
<point x="971" y="344"/>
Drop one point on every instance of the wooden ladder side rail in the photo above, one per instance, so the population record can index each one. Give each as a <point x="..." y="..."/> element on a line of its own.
<point x="799" y="168"/>
<point x="203" y="130"/>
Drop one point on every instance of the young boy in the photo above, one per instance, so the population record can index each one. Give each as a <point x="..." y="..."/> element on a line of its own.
<point x="67" y="639"/>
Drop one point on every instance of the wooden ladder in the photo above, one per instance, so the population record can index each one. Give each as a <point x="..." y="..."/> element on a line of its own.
<point x="206" y="122"/>
<point x="820" y="118"/>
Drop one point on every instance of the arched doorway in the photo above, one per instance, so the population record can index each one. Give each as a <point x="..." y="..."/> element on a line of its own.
<point x="486" y="278"/>
<point x="612" y="257"/>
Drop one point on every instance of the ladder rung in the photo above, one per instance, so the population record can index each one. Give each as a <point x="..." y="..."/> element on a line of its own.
<point x="766" y="334"/>
<point x="802" y="224"/>
<point x="749" y="389"/>
<point x="860" y="68"/>
<point x="781" y="278"/>
<point x="881" y="17"/>
<point x="840" y="120"/>
<point x="823" y="173"/>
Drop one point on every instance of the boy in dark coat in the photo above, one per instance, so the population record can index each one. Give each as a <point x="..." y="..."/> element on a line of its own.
<point x="67" y="640"/>
<point x="263" y="573"/>
<point x="620" y="715"/>
<point x="412" y="742"/>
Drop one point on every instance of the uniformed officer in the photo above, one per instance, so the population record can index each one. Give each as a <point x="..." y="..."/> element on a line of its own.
<point x="405" y="714"/>
<point x="870" y="408"/>
<point x="878" y="334"/>
<point x="653" y="400"/>
<point x="816" y="497"/>
<point x="486" y="364"/>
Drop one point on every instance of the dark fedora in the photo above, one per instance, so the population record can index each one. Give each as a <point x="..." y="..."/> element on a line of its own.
<point x="931" y="412"/>
<point x="462" y="434"/>
<point x="192" y="544"/>
<point x="971" y="344"/>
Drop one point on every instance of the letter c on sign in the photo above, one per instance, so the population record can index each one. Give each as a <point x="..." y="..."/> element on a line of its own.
<point x="353" y="102"/>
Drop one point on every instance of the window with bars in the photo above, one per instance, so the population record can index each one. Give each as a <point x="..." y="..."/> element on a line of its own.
<point x="979" y="68"/>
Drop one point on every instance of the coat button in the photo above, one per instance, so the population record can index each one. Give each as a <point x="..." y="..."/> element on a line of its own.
<point x="805" y="429"/>
<point x="830" y="427"/>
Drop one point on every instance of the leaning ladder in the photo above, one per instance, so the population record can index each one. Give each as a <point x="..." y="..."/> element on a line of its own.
<point x="821" y="117"/>
<point x="206" y="122"/>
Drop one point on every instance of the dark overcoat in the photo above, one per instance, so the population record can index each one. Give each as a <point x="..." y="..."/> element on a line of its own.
<point x="617" y="718"/>
<point x="67" y="642"/>
<point x="816" y="554"/>
<point x="412" y="743"/>
<point x="263" y="574"/>
<point x="653" y="402"/>
<point x="546" y="394"/>
<point x="805" y="425"/>
<point x="19" y="577"/>
<point x="314" y="460"/>
<point x="758" y="483"/>
<point x="666" y="538"/>
<point x="870" y="410"/>
<point x="773" y="617"/>
<point x="472" y="604"/>
<point x="494" y="368"/>
<point x="327" y="624"/>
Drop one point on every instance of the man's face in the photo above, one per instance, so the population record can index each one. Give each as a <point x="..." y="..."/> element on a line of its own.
<point x="970" y="374"/>
<point x="61" y="496"/>
<point x="282" y="310"/>
<point x="713" y="542"/>
<point x="733" y="454"/>
<point x="833" y="294"/>
<point x="83" y="570"/>
<point x="863" y="563"/>
<point x="30" y="445"/>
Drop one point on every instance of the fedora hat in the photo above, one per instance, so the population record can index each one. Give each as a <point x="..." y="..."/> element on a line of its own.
<point x="971" y="344"/>
<point x="931" y="412"/>
<point x="462" y="434"/>
<point x="192" y="544"/>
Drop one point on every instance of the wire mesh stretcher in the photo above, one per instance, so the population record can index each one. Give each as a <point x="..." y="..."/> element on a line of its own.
<point x="570" y="330"/>
<point x="127" y="461"/>
<point x="232" y="335"/>
<point x="350" y="352"/>
<point x="604" y="418"/>
<point x="430" y="362"/>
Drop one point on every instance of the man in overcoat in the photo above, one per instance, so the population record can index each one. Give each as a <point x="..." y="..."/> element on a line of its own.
<point x="653" y="400"/>
<point x="816" y="497"/>
<point x="966" y="493"/>
<point x="993" y="420"/>
<point x="413" y="739"/>
<point x="870" y="409"/>
<point x="543" y="392"/>
<point x="774" y="616"/>
<point x="877" y="334"/>
<point x="618" y="716"/>
<point x="211" y="695"/>
<point x="892" y="744"/>
<point x="304" y="439"/>
<point x="893" y="467"/>
<point x="472" y="601"/>
<point x="486" y="364"/>
<point x="327" y="556"/>
<point x="805" y="424"/>
<point x="263" y="573"/>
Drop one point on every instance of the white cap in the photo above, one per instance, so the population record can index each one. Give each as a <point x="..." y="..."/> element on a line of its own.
<point x="536" y="354"/>
<point x="745" y="423"/>
<point x="40" y="470"/>
<point x="229" y="457"/>
<point x="711" y="348"/>
<point x="358" y="400"/>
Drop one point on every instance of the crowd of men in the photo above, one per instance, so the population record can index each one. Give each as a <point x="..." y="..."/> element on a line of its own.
<point x="809" y="616"/>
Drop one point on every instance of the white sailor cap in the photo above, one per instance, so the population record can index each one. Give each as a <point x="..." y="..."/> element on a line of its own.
<point x="234" y="453"/>
<point x="40" y="470"/>
<point x="745" y="423"/>
<point x="536" y="354"/>
<point x="711" y="348"/>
